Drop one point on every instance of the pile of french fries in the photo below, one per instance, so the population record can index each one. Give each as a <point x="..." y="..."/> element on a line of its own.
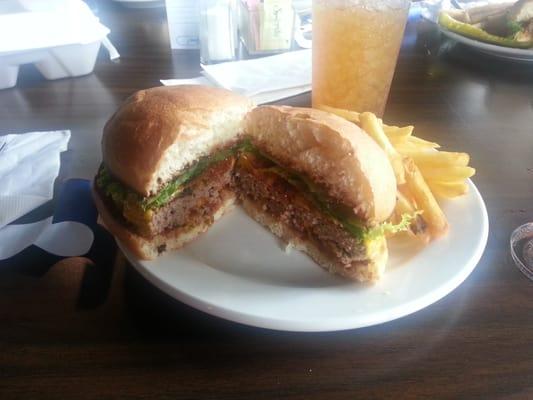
<point x="422" y="172"/>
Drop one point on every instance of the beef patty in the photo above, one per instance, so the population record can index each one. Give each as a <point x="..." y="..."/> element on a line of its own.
<point x="199" y="200"/>
<point x="196" y="204"/>
<point x="289" y="205"/>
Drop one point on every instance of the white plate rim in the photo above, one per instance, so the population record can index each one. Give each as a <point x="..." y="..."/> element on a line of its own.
<point x="489" y="48"/>
<point x="333" y="324"/>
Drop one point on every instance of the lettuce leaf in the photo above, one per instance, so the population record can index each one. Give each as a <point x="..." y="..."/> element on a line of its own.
<point x="120" y="194"/>
<point x="514" y="27"/>
<point x="387" y="228"/>
<point x="176" y="186"/>
<point x="355" y="227"/>
<point x="111" y="187"/>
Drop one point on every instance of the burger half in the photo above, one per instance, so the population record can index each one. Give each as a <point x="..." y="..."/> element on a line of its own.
<point x="168" y="159"/>
<point x="322" y="185"/>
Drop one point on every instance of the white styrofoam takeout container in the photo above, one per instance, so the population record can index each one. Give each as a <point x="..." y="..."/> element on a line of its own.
<point x="61" y="37"/>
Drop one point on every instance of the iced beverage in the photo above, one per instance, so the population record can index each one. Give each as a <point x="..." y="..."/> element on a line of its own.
<point x="355" y="48"/>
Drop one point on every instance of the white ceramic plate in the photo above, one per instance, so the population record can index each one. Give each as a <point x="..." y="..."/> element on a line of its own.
<point x="492" y="49"/>
<point x="239" y="271"/>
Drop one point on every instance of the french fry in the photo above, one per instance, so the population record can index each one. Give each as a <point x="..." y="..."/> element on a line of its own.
<point x="392" y="132"/>
<point x="397" y="134"/>
<point x="412" y="144"/>
<point x="447" y="174"/>
<point x="406" y="147"/>
<point x="351" y="116"/>
<point x="373" y="127"/>
<point x="448" y="189"/>
<point x="422" y="143"/>
<point x="438" y="158"/>
<point x="421" y="172"/>
<point x="403" y="204"/>
<point x="425" y="200"/>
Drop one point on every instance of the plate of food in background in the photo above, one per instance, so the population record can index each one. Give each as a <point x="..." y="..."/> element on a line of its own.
<point x="502" y="30"/>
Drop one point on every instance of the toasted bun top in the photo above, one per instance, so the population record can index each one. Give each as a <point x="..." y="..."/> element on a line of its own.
<point x="331" y="151"/>
<point x="157" y="132"/>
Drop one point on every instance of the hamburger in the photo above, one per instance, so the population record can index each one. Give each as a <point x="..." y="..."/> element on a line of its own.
<point x="321" y="184"/>
<point x="175" y="159"/>
<point x="168" y="155"/>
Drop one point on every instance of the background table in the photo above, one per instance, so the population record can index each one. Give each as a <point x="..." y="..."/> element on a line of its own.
<point x="76" y="330"/>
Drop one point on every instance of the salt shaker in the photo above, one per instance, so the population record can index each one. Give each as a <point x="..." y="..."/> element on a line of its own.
<point x="217" y="31"/>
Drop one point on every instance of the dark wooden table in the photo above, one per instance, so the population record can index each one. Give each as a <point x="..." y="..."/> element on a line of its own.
<point x="80" y="330"/>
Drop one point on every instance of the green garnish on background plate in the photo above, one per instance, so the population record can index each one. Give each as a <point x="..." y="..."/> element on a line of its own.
<point x="471" y="31"/>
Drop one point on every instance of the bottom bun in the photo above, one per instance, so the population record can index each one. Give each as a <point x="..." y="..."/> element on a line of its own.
<point x="370" y="270"/>
<point x="150" y="248"/>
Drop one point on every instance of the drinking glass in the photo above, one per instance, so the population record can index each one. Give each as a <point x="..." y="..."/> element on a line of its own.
<point x="355" y="49"/>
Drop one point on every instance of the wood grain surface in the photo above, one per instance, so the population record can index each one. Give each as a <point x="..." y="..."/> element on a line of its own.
<point x="85" y="331"/>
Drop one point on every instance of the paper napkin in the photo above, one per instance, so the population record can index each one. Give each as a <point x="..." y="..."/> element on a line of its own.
<point x="264" y="79"/>
<point x="64" y="239"/>
<point x="29" y="164"/>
